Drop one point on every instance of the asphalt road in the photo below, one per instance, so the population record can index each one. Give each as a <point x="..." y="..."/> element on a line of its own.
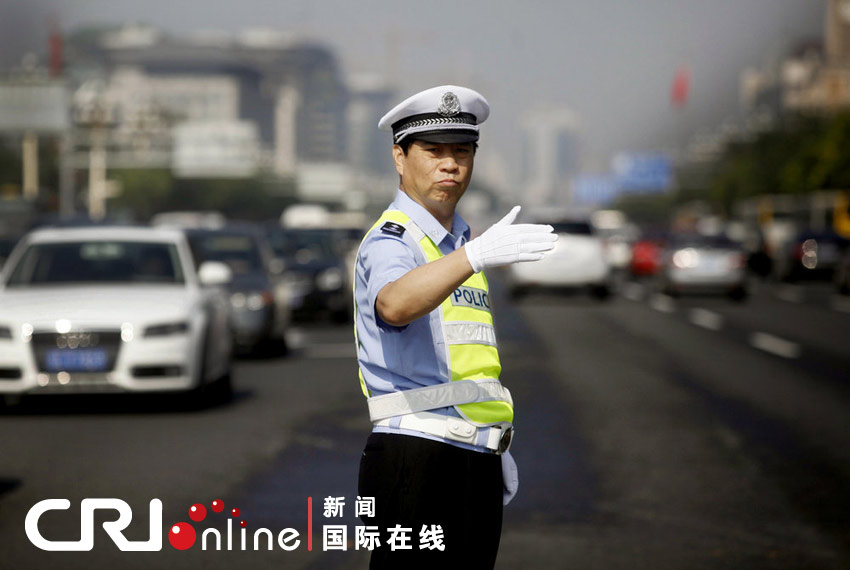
<point x="651" y="433"/>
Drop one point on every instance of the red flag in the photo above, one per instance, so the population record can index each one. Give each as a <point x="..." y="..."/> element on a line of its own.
<point x="55" y="49"/>
<point x="681" y="86"/>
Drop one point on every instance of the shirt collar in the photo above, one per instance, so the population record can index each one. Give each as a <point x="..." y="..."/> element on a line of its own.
<point x="428" y="223"/>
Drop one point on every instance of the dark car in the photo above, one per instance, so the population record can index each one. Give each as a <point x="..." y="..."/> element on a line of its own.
<point x="810" y="255"/>
<point x="316" y="272"/>
<point x="259" y="311"/>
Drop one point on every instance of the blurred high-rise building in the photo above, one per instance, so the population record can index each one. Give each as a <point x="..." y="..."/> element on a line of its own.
<point x="814" y="77"/>
<point x="550" y="155"/>
<point x="368" y="148"/>
<point x="259" y="99"/>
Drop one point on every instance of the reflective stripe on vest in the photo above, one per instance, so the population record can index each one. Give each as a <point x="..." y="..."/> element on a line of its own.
<point x="468" y="334"/>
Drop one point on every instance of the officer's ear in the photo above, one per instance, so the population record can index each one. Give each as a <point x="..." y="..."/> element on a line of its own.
<point x="398" y="159"/>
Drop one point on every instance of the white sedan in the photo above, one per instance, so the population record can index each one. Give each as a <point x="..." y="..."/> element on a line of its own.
<point x="577" y="261"/>
<point x="105" y="309"/>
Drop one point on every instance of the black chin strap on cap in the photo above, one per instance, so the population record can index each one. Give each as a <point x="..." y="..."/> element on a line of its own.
<point x="435" y="127"/>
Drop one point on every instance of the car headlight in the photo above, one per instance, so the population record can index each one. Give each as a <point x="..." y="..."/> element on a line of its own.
<point x="167" y="329"/>
<point x="686" y="258"/>
<point x="5" y="333"/>
<point x="329" y="279"/>
<point x="253" y="301"/>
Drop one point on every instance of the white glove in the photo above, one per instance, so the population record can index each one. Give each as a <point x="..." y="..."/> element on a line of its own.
<point x="505" y="242"/>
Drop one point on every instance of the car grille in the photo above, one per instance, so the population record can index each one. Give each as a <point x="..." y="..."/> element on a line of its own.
<point x="53" y="351"/>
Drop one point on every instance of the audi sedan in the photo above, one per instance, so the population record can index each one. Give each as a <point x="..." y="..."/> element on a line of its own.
<point x="111" y="309"/>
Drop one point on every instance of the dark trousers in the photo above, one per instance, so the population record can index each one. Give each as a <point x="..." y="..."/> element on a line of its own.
<point x="416" y="482"/>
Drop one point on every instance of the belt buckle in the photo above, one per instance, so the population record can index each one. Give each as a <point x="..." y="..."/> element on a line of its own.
<point x="505" y="440"/>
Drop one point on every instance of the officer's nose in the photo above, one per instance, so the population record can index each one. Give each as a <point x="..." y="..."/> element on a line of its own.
<point x="448" y="164"/>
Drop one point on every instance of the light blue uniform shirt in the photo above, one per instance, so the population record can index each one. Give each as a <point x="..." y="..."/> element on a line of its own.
<point x="400" y="358"/>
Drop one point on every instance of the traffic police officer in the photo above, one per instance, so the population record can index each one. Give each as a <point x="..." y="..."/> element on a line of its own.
<point x="429" y="364"/>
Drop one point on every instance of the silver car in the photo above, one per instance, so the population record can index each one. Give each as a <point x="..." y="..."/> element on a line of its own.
<point x="704" y="264"/>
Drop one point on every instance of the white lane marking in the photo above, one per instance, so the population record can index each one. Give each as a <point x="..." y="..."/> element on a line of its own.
<point x="662" y="303"/>
<point x="775" y="345"/>
<point x="790" y="293"/>
<point x="706" y="319"/>
<point x="633" y="291"/>
<point x="840" y="303"/>
<point x="330" y="350"/>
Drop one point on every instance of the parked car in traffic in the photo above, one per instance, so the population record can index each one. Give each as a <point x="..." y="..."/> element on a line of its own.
<point x="258" y="299"/>
<point x="647" y="255"/>
<point x="108" y="309"/>
<point x="316" y="270"/>
<point x="810" y="255"/>
<point x="694" y="263"/>
<point x="577" y="261"/>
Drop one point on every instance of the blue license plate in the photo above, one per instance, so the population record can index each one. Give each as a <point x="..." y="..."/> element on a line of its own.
<point x="77" y="360"/>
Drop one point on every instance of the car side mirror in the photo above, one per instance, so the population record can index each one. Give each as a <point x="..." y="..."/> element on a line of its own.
<point x="214" y="273"/>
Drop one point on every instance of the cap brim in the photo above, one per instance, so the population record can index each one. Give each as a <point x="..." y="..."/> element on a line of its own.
<point x="445" y="136"/>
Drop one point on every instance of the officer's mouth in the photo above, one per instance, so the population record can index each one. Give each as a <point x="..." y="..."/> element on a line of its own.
<point x="448" y="182"/>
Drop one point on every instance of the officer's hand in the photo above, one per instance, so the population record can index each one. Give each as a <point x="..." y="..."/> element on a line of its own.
<point x="505" y="242"/>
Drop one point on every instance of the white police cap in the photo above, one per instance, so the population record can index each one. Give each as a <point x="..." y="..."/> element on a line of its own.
<point x="444" y="114"/>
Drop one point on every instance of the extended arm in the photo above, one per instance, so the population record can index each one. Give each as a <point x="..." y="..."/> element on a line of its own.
<point x="421" y="290"/>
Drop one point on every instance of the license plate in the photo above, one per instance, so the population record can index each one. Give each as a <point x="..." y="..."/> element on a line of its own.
<point x="77" y="360"/>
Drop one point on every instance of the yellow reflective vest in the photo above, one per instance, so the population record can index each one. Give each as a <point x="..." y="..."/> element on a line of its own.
<point x="468" y="333"/>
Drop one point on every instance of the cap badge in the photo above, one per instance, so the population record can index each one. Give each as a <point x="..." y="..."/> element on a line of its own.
<point x="449" y="105"/>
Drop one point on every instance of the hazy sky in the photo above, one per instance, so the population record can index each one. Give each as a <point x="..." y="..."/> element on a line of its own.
<point x="610" y="61"/>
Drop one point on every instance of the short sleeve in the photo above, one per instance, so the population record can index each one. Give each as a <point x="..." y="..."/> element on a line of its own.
<point x="385" y="258"/>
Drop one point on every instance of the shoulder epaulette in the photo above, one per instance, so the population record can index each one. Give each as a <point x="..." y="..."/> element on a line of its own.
<point x="393" y="228"/>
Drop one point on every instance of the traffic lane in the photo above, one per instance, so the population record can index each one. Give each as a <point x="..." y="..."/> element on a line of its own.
<point x="719" y="368"/>
<point x="688" y="470"/>
<point x="809" y="332"/>
<point x="132" y="449"/>
<point x="806" y="315"/>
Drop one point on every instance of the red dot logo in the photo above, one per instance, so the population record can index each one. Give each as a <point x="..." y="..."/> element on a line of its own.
<point x="235" y="512"/>
<point x="243" y="524"/>
<point x="197" y="512"/>
<point x="217" y="506"/>
<point x="182" y="536"/>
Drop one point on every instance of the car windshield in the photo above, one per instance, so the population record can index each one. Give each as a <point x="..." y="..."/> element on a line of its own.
<point x="98" y="262"/>
<point x="239" y="251"/>
<point x="306" y="245"/>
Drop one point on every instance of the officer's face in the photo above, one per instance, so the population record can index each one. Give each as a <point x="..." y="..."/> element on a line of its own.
<point x="435" y="174"/>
